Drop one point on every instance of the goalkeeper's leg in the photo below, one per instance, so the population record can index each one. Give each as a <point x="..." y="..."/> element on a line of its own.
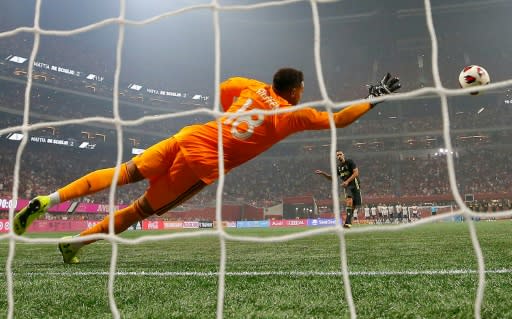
<point x="97" y="181"/>
<point x="153" y="162"/>
<point x="122" y="220"/>
<point x="88" y="184"/>
<point x="164" y="193"/>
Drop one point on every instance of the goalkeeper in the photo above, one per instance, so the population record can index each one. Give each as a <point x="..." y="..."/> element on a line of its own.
<point x="179" y="167"/>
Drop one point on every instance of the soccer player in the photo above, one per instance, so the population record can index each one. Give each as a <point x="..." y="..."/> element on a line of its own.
<point x="179" y="167"/>
<point x="374" y="213"/>
<point x="367" y="213"/>
<point x="349" y="174"/>
<point x="399" y="212"/>
<point x="392" y="215"/>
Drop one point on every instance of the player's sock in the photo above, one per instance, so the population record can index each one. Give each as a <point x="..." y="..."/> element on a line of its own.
<point x="54" y="198"/>
<point x="349" y="216"/>
<point x="92" y="183"/>
<point x="123" y="219"/>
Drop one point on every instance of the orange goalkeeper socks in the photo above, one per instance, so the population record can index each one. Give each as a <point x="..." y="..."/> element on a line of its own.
<point x="92" y="183"/>
<point x="123" y="219"/>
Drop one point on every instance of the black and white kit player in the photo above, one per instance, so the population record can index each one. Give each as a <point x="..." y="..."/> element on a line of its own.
<point x="349" y="174"/>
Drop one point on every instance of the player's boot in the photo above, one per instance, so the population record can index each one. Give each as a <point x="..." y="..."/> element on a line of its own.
<point x="24" y="218"/>
<point x="69" y="252"/>
<point x="347" y="225"/>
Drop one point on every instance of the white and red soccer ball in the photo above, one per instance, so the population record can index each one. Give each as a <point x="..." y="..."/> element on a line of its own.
<point x="473" y="75"/>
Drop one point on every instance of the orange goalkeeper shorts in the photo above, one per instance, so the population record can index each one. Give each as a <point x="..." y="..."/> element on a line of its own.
<point x="171" y="181"/>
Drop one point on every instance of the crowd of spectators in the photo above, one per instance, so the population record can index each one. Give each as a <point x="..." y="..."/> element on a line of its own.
<point x="45" y="168"/>
<point x="264" y="181"/>
<point x="395" y="145"/>
<point x="415" y="120"/>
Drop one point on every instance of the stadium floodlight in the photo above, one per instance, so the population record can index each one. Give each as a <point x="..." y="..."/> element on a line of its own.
<point x="94" y="77"/>
<point x="17" y="59"/>
<point x="137" y="151"/>
<point x="135" y="87"/>
<point x="15" y="137"/>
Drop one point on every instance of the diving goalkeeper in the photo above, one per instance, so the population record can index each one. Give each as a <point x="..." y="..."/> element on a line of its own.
<point x="181" y="166"/>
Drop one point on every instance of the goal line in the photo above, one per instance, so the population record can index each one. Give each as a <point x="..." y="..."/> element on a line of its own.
<point x="443" y="272"/>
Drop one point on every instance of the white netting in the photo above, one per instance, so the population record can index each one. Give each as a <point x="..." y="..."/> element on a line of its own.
<point x="325" y="101"/>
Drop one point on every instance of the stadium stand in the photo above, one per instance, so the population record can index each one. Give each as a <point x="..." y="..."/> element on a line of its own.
<point x="399" y="147"/>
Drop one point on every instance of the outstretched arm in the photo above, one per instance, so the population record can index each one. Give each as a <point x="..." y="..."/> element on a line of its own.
<point x="324" y="174"/>
<point x="311" y="119"/>
<point x="386" y="86"/>
<point x="350" y="114"/>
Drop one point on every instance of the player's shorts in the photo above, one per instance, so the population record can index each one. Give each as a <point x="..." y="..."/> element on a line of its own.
<point x="171" y="181"/>
<point x="355" y="194"/>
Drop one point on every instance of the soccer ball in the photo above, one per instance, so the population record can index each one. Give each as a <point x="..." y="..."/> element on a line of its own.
<point x="473" y="75"/>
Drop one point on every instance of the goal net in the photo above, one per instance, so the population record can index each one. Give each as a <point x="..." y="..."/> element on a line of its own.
<point x="118" y="79"/>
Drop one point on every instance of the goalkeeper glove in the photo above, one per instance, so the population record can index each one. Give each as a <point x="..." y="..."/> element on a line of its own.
<point x="386" y="86"/>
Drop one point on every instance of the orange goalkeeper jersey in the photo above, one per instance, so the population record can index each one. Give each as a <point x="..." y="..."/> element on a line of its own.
<point x="246" y="136"/>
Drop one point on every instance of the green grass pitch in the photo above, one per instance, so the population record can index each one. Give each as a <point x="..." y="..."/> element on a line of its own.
<point x="423" y="272"/>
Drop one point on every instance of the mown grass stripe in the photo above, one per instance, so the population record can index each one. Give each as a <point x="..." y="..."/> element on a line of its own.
<point x="271" y="273"/>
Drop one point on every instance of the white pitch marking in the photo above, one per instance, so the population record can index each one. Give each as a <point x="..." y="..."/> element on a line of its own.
<point x="271" y="273"/>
